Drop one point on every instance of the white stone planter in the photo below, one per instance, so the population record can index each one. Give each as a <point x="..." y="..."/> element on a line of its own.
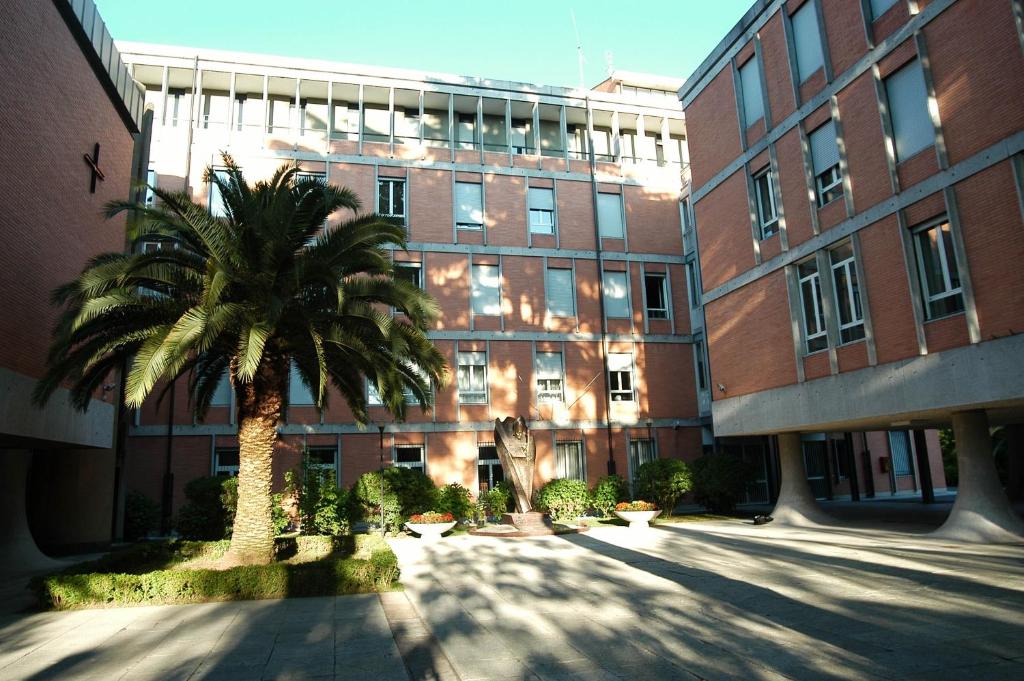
<point x="430" y="531"/>
<point x="638" y="519"/>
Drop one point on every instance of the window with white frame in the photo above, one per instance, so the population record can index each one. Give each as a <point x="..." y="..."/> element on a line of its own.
<point x="764" y="194"/>
<point x="912" y="128"/>
<point x="409" y="272"/>
<point x="815" y="334"/>
<point x="620" y="376"/>
<point x="559" y="298"/>
<point x="542" y="210"/>
<point x="616" y="295"/>
<point x="149" y="198"/>
<point x="299" y="393"/>
<point x="938" y="274"/>
<point x="880" y="7"/>
<point x="485" y="290"/>
<point x="225" y="461"/>
<point x="469" y="211"/>
<point x="391" y="197"/>
<point x="750" y="92"/>
<point x="570" y="463"/>
<point x="656" y="292"/>
<point x="410" y="456"/>
<point x="609" y="215"/>
<point x="641" y="452"/>
<point x="215" y="202"/>
<point x="847" y="290"/>
<point x="410" y="396"/>
<point x="828" y="177"/>
<point x="549" y="377"/>
<point x="324" y="460"/>
<point x="472" y="377"/>
<point x="373" y="398"/>
<point x="807" y="40"/>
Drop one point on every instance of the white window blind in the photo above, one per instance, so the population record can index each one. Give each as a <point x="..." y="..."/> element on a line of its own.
<point x="569" y="463"/>
<point x="542" y="210"/>
<point x="485" y="290"/>
<point x="469" y="212"/>
<point x="807" y="40"/>
<point x="472" y="377"/>
<point x="908" y="110"/>
<point x="548" y="371"/>
<point x="609" y="215"/>
<point x="559" y="293"/>
<point x="750" y="91"/>
<point x="824" y="149"/>
<point x="616" y="301"/>
<point x="620" y="361"/>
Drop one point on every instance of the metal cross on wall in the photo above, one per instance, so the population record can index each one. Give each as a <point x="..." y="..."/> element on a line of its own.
<point x="94" y="163"/>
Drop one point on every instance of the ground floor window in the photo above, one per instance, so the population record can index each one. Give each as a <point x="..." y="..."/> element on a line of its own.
<point x="899" y="448"/>
<point x="225" y="461"/>
<point x="410" y="456"/>
<point x="325" y="460"/>
<point x="488" y="467"/>
<point x="640" y="452"/>
<point x="569" y="460"/>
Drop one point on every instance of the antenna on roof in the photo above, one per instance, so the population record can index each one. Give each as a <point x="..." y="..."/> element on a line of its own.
<point x="579" y="48"/>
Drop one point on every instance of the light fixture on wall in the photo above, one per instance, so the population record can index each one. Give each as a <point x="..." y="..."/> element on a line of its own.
<point x="722" y="388"/>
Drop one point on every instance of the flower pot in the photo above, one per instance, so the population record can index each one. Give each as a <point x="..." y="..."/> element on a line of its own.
<point x="430" y="531"/>
<point x="638" y="518"/>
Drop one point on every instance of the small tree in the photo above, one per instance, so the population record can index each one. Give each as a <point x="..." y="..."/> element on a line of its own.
<point x="663" y="481"/>
<point x="609" y="490"/>
<point x="719" y="481"/>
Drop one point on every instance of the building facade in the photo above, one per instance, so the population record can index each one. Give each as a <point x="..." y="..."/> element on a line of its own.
<point x="545" y="221"/>
<point x="857" y="200"/>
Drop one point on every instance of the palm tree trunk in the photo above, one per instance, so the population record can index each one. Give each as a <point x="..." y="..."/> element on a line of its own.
<point x="259" y="410"/>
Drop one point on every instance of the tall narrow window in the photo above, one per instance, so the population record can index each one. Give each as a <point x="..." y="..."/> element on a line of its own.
<point x="472" y="377"/>
<point x="175" y="111"/>
<point x="807" y="40"/>
<point x="542" y="210"/>
<point x="569" y="461"/>
<point x="549" y="377"/>
<point x="620" y="376"/>
<point x="908" y="111"/>
<point x="373" y="394"/>
<point x="222" y="394"/>
<point x="750" y="92"/>
<point x="469" y="212"/>
<point x="616" y="298"/>
<point x="466" y="131"/>
<point x="702" y="373"/>
<point x="825" y="160"/>
<point x="938" y="273"/>
<point x="391" y="198"/>
<point x="815" y="334"/>
<point x="609" y="216"/>
<point x="691" y="277"/>
<point x="299" y="393"/>
<point x="764" y="193"/>
<point x="899" y="448"/>
<point x="485" y="295"/>
<point x="641" y="452"/>
<point x="488" y="466"/>
<point x="656" y="291"/>
<point x="847" y="290"/>
<point x="559" y="297"/>
<point x="150" y="196"/>
<point x="215" y="202"/>
<point x="410" y="456"/>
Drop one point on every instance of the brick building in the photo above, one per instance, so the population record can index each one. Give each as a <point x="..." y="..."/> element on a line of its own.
<point x="499" y="183"/>
<point x="857" y="199"/>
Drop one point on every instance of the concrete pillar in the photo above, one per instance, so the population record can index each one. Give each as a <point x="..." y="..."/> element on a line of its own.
<point x="1015" y="461"/>
<point x="18" y="551"/>
<point x="796" y="504"/>
<point x="982" y="513"/>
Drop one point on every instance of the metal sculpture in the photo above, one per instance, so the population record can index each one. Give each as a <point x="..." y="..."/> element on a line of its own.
<point x="518" y="454"/>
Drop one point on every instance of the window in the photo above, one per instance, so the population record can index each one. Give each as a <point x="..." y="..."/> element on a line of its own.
<point x="225" y="461"/>
<point x="410" y="456"/>
<point x="222" y="395"/>
<point x="807" y="40"/>
<point x="657" y="295"/>
<point x="325" y="461"/>
<point x="149" y="197"/>
<point x="472" y="377"/>
<point x="175" y="107"/>
<point x="616" y="300"/>
<point x="409" y="272"/>
<point x="373" y="394"/>
<point x="410" y="396"/>
<point x="691" y="276"/>
<point x="465" y="131"/>
<point x="847" y="289"/>
<point x="938" y="273"/>
<point x="488" y="466"/>
<point x="485" y="296"/>
<point x="549" y="376"/>
<point x="298" y="392"/>
<point x="522" y="136"/>
<point x="764" y="194"/>
<point x="815" y="335"/>
<point x="542" y="210"/>
<point x="879" y="7"/>
<point x="469" y="212"/>
<point x="391" y="198"/>
<point x="559" y="297"/>
<point x="899" y="449"/>
<point x="750" y="92"/>
<point x="825" y="160"/>
<point x="215" y="202"/>
<point x="609" y="216"/>
<point x="912" y="128"/>
<point x="702" y="374"/>
<point x="641" y="452"/>
<point x="684" y="215"/>
<point x="569" y="461"/>
<point x="620" y="376"/>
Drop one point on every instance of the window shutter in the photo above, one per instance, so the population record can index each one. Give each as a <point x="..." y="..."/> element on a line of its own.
<point x="542" y="199"/>
<point x="750" y="89"/>
<point x="549" y="365"/>
<point x="908" y="110"/>
<point x="616" y="303"/>
<point x="560" y="299"/>
<point x="824" y="148"/>
<point x="609" y="215"/>
<point x="474" y="358"/>
<point x="807" y="39"/>
<point x="469" y="203"/>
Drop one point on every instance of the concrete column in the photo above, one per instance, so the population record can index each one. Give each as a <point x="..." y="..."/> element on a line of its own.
<point x="1015" y="461"/>
<point x="796" y="504"/>
<point x="924" y="468"/>
<point x="18" y="551"/>
<point x="982" y="513"/>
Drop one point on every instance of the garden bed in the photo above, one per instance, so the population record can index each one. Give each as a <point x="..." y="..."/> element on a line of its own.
<point x="186" y="572"/>
<point x="660" y="520"/>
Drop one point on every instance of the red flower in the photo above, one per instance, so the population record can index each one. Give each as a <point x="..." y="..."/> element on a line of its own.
<point x="638" y="505"/>
<point x="431" y="517"/>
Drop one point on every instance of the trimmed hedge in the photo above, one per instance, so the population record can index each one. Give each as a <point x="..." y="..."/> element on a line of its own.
<point x="374" y="567"/>
<point x="564" y="499"/>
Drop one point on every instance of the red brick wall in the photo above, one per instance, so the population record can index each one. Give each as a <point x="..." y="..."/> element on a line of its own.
<point x="723" y="231"/>
<point x="712" y="128"/>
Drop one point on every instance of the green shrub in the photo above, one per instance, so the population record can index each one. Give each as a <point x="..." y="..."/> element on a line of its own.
<point x="205" y="517"/>
<point x="323" y="507"/>
<point x="454" y="498"/>
<point x="365" y="502"/>
<point x="141" y="516"/>
<point x="496" y="500"/>
<point x="719" y="481"/>
<point x="609" y="490"/>
<point x="415" y="491"/>
<point x="406" y="491"/>
<point x="664" y="481"/>
<point x="565" y="500"/>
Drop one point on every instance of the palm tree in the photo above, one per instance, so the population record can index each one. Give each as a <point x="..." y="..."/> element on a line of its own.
<point x="247" y="295"/>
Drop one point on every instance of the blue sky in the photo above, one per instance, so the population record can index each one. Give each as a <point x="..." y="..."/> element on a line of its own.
<point x="524" y="40"/>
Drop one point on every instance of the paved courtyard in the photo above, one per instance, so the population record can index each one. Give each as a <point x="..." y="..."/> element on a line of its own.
<point x="713" y="600"/>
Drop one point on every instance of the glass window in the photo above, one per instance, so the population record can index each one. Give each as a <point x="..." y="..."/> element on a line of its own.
<point x="569" y="461"/>
<point x="489" y="470"/>
<point x="938" y="273"/>
<point x="486" y="290"/>
<point x="560" y="300"/>
<point x="391" y="198"/>
<point x="472" y="377"/>
<point x="222" y="395"/>
<point x="373" y="394"/>
<point x="325" y="460"/>
<point x="750" y="92"/>
<point x="616" y="298"/>
<point x="620" y="376"/>
<point x="879" y="7"/>
<point x="815" y="335"/>
<point x="469" y="212"/>
<point x="691" y="275"/>
<point x="847" y="289"/>
<point x="807" y="40"/>
<point x="542" y="210"/>
<point x="912" y="127"/>
<point x="641" y="452"/>
<point x="465" y="131"/>
<point x="702" y="375"/>
<point x="149" y="199"/>
<point x="411" y="272"/>
<point x="656" y="291"/>
<point x="825" y="160"/>
<point x="410" y="456"/>
<point x="609" y="215"/>
<point x="549" y="376"/>
<point x="764" y="194"/>
<point x="225" y="461"/>
<point x="215" y="201"/>
<point x="298" y="392"/>
<point x="899" y="448"/>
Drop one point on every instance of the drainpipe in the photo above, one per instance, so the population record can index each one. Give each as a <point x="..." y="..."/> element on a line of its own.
<point x="191" y="120"/>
